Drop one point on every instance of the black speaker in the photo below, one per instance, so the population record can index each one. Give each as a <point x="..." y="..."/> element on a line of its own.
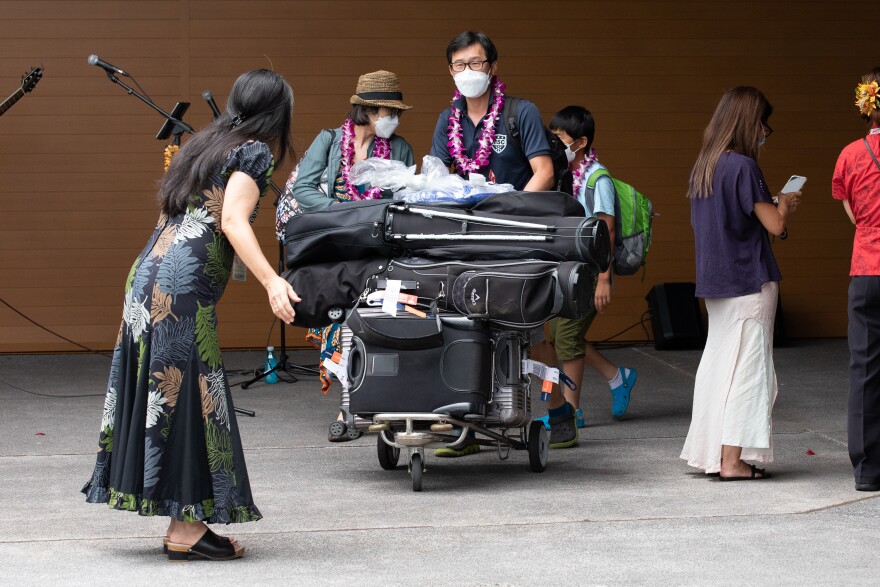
<point x="676" y="317"/>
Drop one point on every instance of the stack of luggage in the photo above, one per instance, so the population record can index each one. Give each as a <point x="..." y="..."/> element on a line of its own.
<point x="474" y="281"/>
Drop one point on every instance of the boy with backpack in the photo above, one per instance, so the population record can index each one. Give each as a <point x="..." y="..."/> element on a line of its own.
<point x="595" y="190"/>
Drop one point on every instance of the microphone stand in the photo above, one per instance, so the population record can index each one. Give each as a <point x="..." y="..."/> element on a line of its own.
<point x="173" y="125"/>
<point x="283" y="364"/>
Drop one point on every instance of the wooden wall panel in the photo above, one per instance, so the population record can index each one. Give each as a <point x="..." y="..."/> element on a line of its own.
<point x="79" y="162"/>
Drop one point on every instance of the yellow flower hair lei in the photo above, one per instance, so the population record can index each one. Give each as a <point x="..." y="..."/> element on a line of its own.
<point x="170" y="152"/>
<point x="866" y="97"/>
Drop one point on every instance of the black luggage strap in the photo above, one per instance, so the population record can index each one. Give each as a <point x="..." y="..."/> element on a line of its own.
<point x="365" y="332"/>
<point x="873" y="156"/>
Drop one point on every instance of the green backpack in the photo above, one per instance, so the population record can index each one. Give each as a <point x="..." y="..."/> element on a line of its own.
<point x="633" y="214"/>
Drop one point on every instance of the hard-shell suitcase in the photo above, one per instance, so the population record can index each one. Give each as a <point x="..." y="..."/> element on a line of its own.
<point x="438" y="364"/>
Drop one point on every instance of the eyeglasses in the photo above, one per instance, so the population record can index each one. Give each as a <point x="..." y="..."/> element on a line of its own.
<point x="460" y="66"/>
<point x="767" y="130"/>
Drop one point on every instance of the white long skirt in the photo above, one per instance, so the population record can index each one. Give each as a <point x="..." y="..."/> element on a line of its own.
<point x="735" y="386"/>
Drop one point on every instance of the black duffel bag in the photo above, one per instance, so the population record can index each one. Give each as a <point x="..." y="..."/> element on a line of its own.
<point x="328" y="290"/>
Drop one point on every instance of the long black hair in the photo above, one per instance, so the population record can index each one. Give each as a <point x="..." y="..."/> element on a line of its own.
<point x="259" y="108"/>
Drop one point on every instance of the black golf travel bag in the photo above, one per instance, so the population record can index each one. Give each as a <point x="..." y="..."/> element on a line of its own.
<point x="378" y="228"/>
<point x="518" y="294"/>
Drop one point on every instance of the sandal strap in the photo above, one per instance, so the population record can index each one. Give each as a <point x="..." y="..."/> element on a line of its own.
<point x="563" y="419"/>
<point x="210" y="545"/>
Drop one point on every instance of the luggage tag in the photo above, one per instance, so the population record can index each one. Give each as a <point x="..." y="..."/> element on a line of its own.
<point x="338" y="365"/>
<point x="405" y="302"/>
<point x="389" y="302"/>
<point x="549" y="375"/>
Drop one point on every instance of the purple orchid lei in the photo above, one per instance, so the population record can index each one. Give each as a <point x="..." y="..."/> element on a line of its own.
<point x="579" y="175"/>
<point x="487" y="136"/>
<point x="381" y="150"/>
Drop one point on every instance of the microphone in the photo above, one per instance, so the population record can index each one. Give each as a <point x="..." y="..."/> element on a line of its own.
<point x="209" y="98"/>
<point x="98" y="62"/>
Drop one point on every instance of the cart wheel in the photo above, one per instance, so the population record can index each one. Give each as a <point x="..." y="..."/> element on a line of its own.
<point x="338" y="429"/>
<point x="388" y="455"/>
<point x="539" y="446"/>
<point x="416" y="469"/>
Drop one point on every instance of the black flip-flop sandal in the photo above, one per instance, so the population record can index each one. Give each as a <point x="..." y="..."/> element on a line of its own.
<point x="753" y="477"/>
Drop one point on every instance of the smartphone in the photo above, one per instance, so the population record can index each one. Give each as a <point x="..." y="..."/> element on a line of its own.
<point x="794" y="184"/>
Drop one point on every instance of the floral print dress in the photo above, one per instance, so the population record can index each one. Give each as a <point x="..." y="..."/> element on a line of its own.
<point x="169" y="442"/>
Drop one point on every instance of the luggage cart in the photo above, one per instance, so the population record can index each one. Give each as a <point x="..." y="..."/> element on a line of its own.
<point x="506" y="424"/>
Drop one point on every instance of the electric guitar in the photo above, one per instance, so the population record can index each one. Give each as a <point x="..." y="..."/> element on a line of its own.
<point x="28" y="81"/>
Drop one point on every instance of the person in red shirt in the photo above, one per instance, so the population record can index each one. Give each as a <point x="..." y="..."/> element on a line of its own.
<point x="856" y="182"/>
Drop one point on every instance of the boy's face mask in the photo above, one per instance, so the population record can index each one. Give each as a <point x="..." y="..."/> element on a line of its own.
<point x="569" y="154"/>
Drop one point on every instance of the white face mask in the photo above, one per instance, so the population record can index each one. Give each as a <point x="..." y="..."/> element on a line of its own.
<point x="569" y="154"/>
<point x="471" y="84"/>
<point x="385" y="126"/>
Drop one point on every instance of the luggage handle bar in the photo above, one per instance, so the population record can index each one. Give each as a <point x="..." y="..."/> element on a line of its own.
<point x="473" y="237"/>
<point x="430" y="213"/>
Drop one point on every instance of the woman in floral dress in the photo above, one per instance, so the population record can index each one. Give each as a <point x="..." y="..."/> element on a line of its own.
<point x="169" y="443"/>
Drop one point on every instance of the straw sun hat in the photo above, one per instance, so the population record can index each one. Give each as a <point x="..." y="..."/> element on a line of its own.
<point x="379" y="88"/>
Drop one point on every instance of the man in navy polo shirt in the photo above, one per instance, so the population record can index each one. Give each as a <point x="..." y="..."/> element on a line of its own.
<point x="472" y="135"/>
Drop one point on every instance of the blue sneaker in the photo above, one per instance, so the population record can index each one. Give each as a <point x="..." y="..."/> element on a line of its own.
<point x="580" y="420"/>
<point x="622" y="391"/>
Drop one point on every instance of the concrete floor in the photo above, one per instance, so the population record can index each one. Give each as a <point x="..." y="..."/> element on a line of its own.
<point x="621" y="508"/>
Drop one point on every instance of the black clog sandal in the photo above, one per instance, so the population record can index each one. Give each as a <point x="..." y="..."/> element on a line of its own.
<point x="209" y="547"/>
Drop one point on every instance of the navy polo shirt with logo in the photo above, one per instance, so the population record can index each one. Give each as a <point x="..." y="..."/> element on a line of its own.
<point x="507" y="164"/>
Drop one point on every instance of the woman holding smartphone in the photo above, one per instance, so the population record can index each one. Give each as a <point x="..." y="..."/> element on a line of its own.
<point x="732" y="213"/>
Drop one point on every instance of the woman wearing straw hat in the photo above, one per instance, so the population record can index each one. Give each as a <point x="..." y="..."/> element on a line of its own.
<point x="322" y="176"/>
<point x="368" y="131"/>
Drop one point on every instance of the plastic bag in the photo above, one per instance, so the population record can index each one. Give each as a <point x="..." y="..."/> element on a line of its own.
<point x="387" y="174"/>
<point x="437" y="186"/>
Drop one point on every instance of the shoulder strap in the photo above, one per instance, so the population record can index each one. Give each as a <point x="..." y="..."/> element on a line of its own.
<point x="873" y="156"/>
<point x="594" y="177"/>
<point x="590" y="191"/>
<point x="510" y="113"/>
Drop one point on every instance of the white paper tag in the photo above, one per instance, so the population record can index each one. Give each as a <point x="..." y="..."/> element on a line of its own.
<point x="540" y="370"/>
<point x="389" y="303"/>
<point x="239" y="269"/>
<point x="340" y="369"/>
